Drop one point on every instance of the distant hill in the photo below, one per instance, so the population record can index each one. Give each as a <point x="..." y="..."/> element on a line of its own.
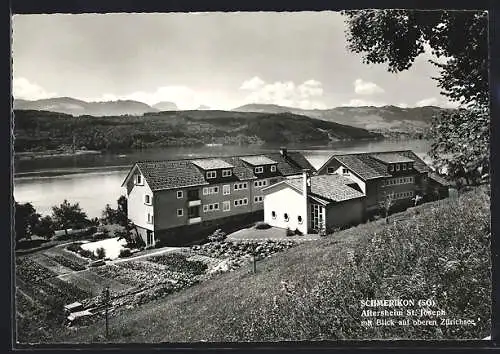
<point x="165" y="106"/>
<point x="203" y="108"/>
<point x="386" y="119"/>
<point x="42" y="130"/>
<point x="77" y="107"/>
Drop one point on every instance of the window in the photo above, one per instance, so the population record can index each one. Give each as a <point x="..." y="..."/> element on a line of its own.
<point x="210" y="190"/>
<point x="180" y="212"/>
<point x="216" y="206"/>
<point x="179" y="194"/>
<point x="410" y="166"/>
<point x="226" y="189"/>
<point x="299" y="218"/>
<point x="239" y="202"/>
<point x="211" y="174"/>
<point x="345" y="171"/>
<point x="273" y="214"/>
<point x="150" y="218"/>
<point x="245" y="201"/>
<point x="404" y="167"/>
<point x="259" y="169"/>
<point x="205" y="208"/>
<point x="330" y="170"/>
<point x="286" y="217"/>
<point x="210" y="207"/>
<point x="262" y="183"/>
<point x="258" y="199"/>
<point x="238" y="186"/>
<point x="412" y="179"/>
<point x="397" y="167"/>
<point x="147" y="199"/>
<point x="227" y="173"/>
<point x="273" y="168"/>
<point x="226" y="206"/>
<point x="391" y="167"/>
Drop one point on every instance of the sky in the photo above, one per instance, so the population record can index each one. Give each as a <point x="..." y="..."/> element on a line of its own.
<point x="220" y="60"/>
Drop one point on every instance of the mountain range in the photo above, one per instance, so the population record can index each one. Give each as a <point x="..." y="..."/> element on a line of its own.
<point x="387" y="120"/>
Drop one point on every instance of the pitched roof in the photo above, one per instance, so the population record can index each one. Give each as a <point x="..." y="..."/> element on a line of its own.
<point x="211" y="164"/>
<point x="240" y="170"/>
<point x="258" y="160"/>
<point x="171" y="174"/>
<point x="370" y="166"/>
<point x="298" y="159"/>
<point x="332" y="187"/>
<point x="364" y="166"/>
<point x="392" y="157"/>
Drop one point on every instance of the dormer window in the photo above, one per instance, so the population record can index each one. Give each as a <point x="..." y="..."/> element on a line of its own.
<point x="138" y="179"/>
<point x="211" y="174"/>
<point x="259" y="169"/>
<point x="227" y="173"/>
<point x="273" y="168"/>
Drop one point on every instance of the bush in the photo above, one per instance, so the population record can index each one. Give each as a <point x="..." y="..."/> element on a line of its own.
<point x="262" y="225"/>
<point x="125" y="252"/>
<point x="217" y="236"/>
<point x="74" y="247"/>
<point x="298" y="232"/>
<point x="101" y="253"/>
<point x="289" y="232"/>
<point x="86" y="253"/>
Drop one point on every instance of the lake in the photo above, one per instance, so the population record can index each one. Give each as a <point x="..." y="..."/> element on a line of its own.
<point x="95" y="180"/>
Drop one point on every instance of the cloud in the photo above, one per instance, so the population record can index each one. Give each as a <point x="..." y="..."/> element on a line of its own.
<point x="252" y="84"/>
<point x="356" y="102"/>
<point x="362" y="87"/>
<point x="285" y="93"/>
<point x="431" y="101"/>
<point x="24" y="89"/>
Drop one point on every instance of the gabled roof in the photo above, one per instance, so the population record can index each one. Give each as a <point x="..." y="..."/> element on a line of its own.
<point x="211" y="164"/>
<point x="162" y="175"/>
<point x="331" y="187"/>
<point x="370" y="166"/>
<point x="173" y="174"/>
<point x="258" y="160"/>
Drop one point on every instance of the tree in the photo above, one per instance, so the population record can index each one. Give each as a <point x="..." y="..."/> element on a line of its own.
<point x="459" y="43"/>
<point x="45" y="227"/>
<point x="69" y="216"/>
<point x="116" y="216"/>
<point x="122" y="210"/>
<point x="26" y="219"/>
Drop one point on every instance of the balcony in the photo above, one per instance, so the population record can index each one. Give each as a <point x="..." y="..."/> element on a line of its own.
<point x="194" y="220"/>
<point x="192" y="203"/>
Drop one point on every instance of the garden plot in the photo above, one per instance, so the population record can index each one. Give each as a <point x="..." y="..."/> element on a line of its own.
<point x="112" y="246"/>
<point x="90" y="281"/>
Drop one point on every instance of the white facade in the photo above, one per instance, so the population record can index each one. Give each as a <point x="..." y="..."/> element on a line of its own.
<point x="138" y="208"/>
<point x="286" y="200"/>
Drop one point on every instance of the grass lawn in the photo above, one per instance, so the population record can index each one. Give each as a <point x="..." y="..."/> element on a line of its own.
<point x="313" y="291"/>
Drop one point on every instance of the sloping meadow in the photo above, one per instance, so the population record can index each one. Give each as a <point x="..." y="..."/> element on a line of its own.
<point x="440" y="252"/>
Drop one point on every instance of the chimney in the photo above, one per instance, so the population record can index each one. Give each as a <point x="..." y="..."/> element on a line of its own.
<point x="306" y="182"/>
<point x="283" y="152"/>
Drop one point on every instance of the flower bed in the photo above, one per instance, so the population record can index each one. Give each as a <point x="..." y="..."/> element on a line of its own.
<point x="68" y="263"/>
<point x="178" y="263"/>
<point x="32" y="272"/>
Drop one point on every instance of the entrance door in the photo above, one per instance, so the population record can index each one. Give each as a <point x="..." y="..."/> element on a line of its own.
<point x="316" y="216"/>
<point x="150" y="237"/>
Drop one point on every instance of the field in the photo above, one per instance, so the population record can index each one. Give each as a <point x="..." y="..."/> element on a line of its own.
<point x="49" y="279"/>
<point x="439" y="251"/>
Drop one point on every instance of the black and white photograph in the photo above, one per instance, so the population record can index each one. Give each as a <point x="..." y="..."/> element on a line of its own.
<point x="236" y="177"/>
